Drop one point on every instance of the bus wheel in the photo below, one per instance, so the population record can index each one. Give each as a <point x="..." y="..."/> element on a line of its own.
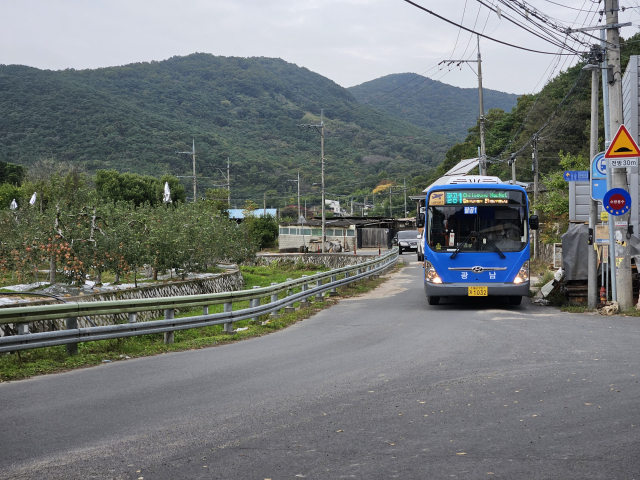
<point x="433" y="300"/>
<point x="515" y="300"/>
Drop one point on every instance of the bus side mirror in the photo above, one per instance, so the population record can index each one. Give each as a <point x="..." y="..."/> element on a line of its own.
<point x="420" y="217"/>
<point x="533" y="222"/>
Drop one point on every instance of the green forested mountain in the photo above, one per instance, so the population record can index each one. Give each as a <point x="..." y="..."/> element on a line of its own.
<point x="430" y="104"/>
<point x="135" y="117"/>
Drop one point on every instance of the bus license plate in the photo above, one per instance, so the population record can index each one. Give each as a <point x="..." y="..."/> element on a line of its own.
<point x="478" y="291"/>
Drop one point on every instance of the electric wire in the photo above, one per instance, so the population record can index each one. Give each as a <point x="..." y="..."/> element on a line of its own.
<point x="551" y="38"/>
<point x="480" y="34"/>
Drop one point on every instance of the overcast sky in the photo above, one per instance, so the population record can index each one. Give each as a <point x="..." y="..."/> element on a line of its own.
<point x="348" y="41"/>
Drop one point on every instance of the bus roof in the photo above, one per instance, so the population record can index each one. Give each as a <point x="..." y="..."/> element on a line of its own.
<point x="473" y="182"/>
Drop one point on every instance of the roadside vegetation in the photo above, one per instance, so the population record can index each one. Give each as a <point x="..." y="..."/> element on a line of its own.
<point x="110" y="225"/>
<point x="15" y="366"/>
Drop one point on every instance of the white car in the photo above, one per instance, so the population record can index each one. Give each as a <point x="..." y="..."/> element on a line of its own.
<point x="421" y="247"/>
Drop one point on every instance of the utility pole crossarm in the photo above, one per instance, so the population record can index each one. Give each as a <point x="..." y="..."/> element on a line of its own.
<point x="599" y="27"/>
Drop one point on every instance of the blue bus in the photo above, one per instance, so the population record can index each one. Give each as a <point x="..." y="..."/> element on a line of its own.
<point x="476" y="240"/>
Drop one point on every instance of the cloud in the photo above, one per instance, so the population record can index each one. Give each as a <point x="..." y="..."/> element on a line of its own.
<point x="349" y="41"/>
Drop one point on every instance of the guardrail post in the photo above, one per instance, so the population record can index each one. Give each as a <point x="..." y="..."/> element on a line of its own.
<point x="333" y="291"/>
<point x="205" y="310"/>
<point x="304" y="302"/>
<point x="255" y="302"/>
<point x="319" y="297"/>
<point x="133" y="317"/>
<point x="23" y="329"/>
<point x="289" y="308"/>
<point x="228" y="326"/>
<point x="169" y="337"/>
<point x="274" y="298"/>
<point x="71" y="323"/>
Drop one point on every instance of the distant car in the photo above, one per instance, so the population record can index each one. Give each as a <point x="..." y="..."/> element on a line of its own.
<point x="420" y="247"/>
<point x="408" y="241"/>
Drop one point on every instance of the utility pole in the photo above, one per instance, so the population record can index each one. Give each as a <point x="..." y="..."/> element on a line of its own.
<point x="405" y="198"/>
<point x="193" y="152"/>
<point x="228" y="184"/>
<point x="483" y="154"/>
<point x="607" y="142"/>
<point x="298" y="180"/>
<point x="390" y="209"/>
<point x="320" y="130"/>
<point x="512" y="164"/>
<point x="264" y="205"/>
<point x="482" y="161"/>
<point x="534" y="156"/>
<point x="622" y="265"/>
<point x="592" y="256"/>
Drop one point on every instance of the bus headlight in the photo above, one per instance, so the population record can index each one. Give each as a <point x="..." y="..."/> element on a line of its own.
<point x="430" y="273"/>
<point x="523" y="274"/>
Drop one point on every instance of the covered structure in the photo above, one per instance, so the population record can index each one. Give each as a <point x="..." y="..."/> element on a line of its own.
<point x="361" y="232"/>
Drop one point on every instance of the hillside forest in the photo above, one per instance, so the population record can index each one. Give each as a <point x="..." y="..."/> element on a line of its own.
<point x="133" y="120"/>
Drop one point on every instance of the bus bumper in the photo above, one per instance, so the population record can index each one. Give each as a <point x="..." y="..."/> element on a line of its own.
<point x="462" y="289"/>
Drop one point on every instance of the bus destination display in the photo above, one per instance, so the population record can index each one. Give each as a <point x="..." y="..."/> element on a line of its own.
<point x="476" y="197"/>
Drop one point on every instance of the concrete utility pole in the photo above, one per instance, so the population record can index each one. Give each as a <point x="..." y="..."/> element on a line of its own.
<point x="298" y="180"/>
<point x="193" y="152"/>
<point x="320" y="130"/>
<point x="483" y="154"/>
<point x="512" y="163"/>
<point x="534" y="156"/>
<point x="622" y="253"/>
<point x="390" y="209"/>
<point x="482" y="160"/>
<point x="592" y="258"/>
<point x="264" y="205"/>
<point x="228" y="184"/>
<point x="405" y="198"/>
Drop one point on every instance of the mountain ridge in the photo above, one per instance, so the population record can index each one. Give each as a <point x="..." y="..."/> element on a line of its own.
<point x="434" y="105"/>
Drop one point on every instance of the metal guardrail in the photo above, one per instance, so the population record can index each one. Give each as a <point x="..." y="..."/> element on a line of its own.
<point x="72" y="335"/>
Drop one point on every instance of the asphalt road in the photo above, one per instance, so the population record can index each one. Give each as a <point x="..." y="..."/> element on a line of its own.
<point x="381" y="386"/>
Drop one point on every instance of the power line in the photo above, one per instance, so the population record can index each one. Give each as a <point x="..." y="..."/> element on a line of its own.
<point x="481" y="34"/>
<point x="550" y="38"/>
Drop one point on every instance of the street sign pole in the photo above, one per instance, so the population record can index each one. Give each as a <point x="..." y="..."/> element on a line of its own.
<point x="612" y="249"/>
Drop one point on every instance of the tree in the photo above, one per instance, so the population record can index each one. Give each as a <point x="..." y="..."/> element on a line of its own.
<point x="263" y="231"/>
<point x="218" y="198"/>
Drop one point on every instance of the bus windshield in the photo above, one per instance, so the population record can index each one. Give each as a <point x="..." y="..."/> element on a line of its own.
<point x="477" y="228"/>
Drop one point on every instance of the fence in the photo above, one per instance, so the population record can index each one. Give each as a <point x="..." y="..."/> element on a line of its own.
<point x="224" y="282"/>
<point x="72" y="335"/>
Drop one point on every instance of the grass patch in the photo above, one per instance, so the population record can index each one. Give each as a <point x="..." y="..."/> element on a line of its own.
<point x="40" y="361"/>
<point x="546" y="278"/>
<point x="576" y="309"/>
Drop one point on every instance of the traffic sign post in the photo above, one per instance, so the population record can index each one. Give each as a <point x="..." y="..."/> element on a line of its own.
<point x="617" y="202"/>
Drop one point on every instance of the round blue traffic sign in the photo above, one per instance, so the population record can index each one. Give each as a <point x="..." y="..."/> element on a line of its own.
<point x="617" y="201"/>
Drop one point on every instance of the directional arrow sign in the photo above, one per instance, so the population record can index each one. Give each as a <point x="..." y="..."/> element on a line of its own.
<point x="617" y="201"/>
<point x="623" y="145"/>
<point x="576" y="176"/>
